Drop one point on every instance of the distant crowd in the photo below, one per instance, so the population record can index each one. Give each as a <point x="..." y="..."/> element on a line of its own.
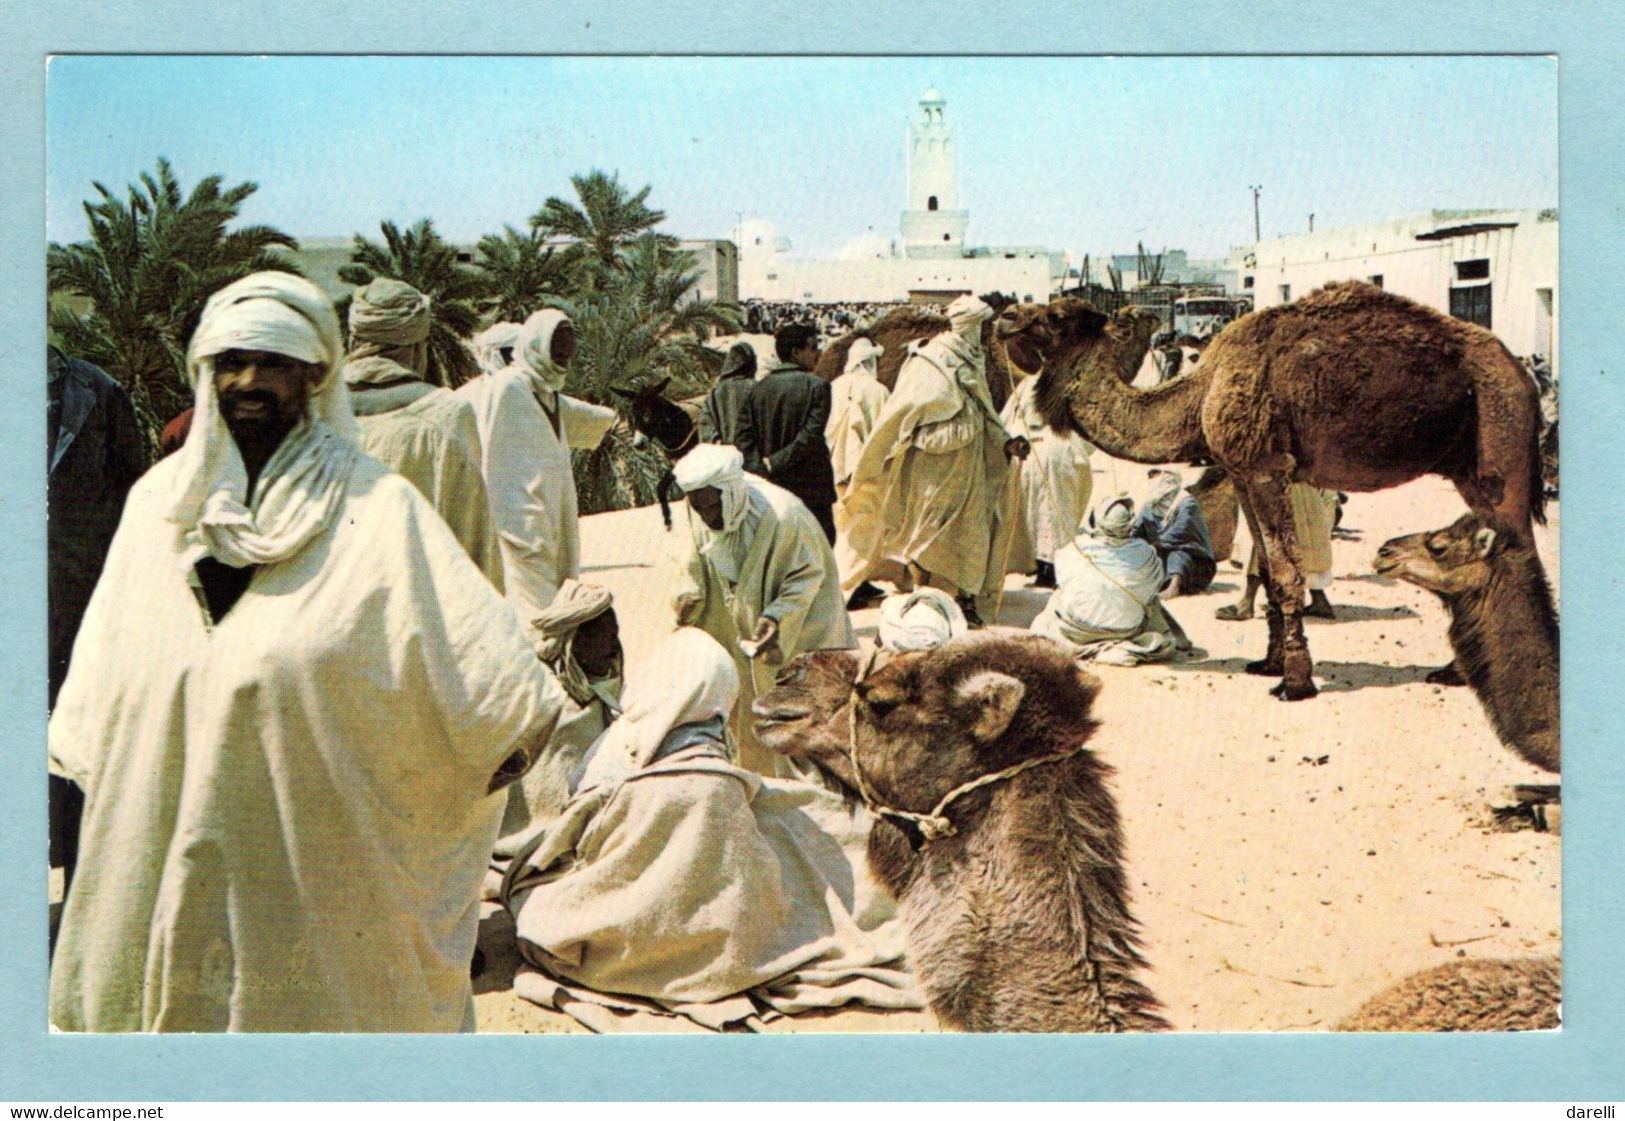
<point x="765" y="317"/>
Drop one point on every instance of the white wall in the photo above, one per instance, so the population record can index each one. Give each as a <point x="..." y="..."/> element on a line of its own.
<point x="1523" y="267"/>
<point x="791" y="278"/>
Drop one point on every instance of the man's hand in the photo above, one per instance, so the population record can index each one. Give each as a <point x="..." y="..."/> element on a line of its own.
<point x="1017" y="447"/>
<point x="688" y="608"/>
<point x="764" y="642"/>
<point x="767" y="631"/>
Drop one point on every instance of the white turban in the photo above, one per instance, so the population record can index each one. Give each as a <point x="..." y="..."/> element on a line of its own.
<point x="575" y="605"/>
<point x="1113" y="518"/>
<point x="719" y="466"/>
<point x="304" y="483"/>
<point x="864" y="358"/>
<point x="1165" y="484"/>
<point x="920" y="620"/>
<point x="686" y="679"/>
<point x="966" y="316"/>
<point x="489" y="344"/>
<point x="533" y="349"/>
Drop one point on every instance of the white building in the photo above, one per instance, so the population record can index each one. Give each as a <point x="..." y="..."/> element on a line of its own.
<point x="1496" y="268"/>
<point x="933" y="263"/>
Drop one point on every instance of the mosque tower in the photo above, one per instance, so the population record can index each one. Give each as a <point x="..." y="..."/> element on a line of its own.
<point x="933" y="225"/>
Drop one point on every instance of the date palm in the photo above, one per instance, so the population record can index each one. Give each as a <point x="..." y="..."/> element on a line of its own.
<point x="521" y="270"/>
<point x="604" y="220"/>
<point x="129" y="297"/>
<point x="422" y="258"/>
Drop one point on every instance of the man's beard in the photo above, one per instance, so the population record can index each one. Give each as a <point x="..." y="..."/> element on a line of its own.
<point x="263" y="432"/>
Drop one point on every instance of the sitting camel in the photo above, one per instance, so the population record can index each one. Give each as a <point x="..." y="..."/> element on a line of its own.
<point x="1523" y="994"/>
<point x="1350" y="388"/>
<point x="997" y="833"/>
<point x="1503" y="626"/>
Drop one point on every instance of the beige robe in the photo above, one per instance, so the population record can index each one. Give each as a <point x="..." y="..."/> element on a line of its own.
<point x="531" y="486"/>
<point x="854" y="406"/>
<point x="539" y="797"/>
<point x="1313" y="510"/>
<point x="1050" y="493"/>
<point x="788" y="572"/>
<point x="435" y="444"/>
<point x="930" y="481"/>
<point x="288" y="810"/>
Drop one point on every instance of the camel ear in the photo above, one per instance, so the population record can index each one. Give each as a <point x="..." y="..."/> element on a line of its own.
<point x="1076" y="324"/>
<point x="1484" y="542"/>
<point x="993" y="698"/>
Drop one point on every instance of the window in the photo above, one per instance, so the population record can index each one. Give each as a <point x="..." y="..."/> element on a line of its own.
<point x="931" y="203"/>
<point x="1374" y="281"/>
<point x="1473" y="270"/>
<point x="1246" y="282"/>
<point x="1286" y="293"/>
<point x="1472" y="304"/>
<point x="947" y="237"/>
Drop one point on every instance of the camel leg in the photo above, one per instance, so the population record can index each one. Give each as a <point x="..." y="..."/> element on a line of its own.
<point x="1271" y="665"/>
<point x="1283" y="581"/>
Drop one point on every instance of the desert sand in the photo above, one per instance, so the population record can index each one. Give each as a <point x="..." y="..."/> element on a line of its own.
<point x="1287" y="860"/>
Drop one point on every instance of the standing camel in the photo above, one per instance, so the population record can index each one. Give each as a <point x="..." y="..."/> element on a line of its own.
<point x="1350" y="388"/>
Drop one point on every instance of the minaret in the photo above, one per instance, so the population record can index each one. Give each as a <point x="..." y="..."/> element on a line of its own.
<point x="933" y="225"/>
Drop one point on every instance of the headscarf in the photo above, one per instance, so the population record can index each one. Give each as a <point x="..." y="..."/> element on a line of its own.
<point x="574" y="605"/>
<point x="533" y="349"/>
<point x="1112" y="519"/>
<point x="687" y="679"/>
<point x="303" y="485"/>
<point x="720" y="466"/>
<point x="965" y="318"/>
<point x="864" y="358"/>
<point x="1165" y="484"/>
<point x="388" y="319"/>
<point x="740" y="362"/>
<point x="489" y="344"/>
<point x="920" y="620"/>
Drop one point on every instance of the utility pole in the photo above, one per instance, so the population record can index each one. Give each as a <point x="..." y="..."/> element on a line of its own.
<point x="1311" y="221"/>
<point x="1256" y="190"/>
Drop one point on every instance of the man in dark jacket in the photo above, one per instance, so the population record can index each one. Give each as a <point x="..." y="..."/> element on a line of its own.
<point x="93" y="455"/>
<point x="1173" y="522"/>
<point x="781" y="429"/>
<point x="719" y="419"/>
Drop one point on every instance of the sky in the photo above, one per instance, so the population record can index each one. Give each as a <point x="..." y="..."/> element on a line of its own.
<point x="1078" y="154"/>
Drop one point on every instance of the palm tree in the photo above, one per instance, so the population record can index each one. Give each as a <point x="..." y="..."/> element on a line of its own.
<point x="520" y="270"/>
<point x="129" y="298"/>
<point x="644" y="327"/>
<point x="422" y="258"/>
<point x="605" y="222"/>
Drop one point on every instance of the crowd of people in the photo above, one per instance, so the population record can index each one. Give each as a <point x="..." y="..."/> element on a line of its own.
<point x="340" y="679"/>
<point x="765" y="317"/>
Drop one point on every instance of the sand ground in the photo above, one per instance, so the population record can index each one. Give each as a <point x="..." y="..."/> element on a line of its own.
<point x="1287" y="860"/>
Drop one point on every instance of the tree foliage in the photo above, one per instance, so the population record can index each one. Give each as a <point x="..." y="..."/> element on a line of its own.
<point x="604" y="220"/>
<point x="129" y="297"/>
<point x="521" y="270"/>
<point x="422" y="258"/>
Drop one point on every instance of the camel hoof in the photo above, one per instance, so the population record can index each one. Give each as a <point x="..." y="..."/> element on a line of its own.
<point x="1291" y="691"/>
<point x="1265" y="668"/>
<point x="1446" y="675"/>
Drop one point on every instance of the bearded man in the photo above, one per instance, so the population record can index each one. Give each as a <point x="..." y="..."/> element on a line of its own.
<point x="529" y="427"/>
<point x="291" y="701"/>
<point x="759" y="578"/>
<point x="427" y="434"/>
<point x="924" y="502"/>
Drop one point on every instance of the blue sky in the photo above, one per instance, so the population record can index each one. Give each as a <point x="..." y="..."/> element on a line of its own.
<point x="1071" y="153"/>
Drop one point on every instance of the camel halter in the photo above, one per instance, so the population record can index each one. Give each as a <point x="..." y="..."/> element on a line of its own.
<point x="935" y="825"/>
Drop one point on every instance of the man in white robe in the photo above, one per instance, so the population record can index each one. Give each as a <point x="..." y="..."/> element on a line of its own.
<point x="856" y="398"/>
<point x="924" y="501"/>
<point x="1050" y="494"/>
<point x="529" y="427"/>
<point x="493" y="352"/>
<point x="755" y="572"/>
<point x="291" y="702"/>
<point x="426" y="433"/>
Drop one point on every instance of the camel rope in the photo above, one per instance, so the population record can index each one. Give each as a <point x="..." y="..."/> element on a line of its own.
<point x="935" y="825"/>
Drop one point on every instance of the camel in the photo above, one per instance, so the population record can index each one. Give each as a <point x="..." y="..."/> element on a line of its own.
<point x="1013" y="896"/>
<point x="1503" y="627"/>
<point x="1350" y="388"/>
<point x="898" y="328"/>
<point x="1522" y="994"/>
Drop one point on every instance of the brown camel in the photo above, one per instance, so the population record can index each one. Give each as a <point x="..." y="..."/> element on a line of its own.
<point x="1350" y="388"/>
<point x="1522" y="994"/>
<point x="1503" y="626"/>
<point x="1017" y="915"/>
<point x="902" y="326"/>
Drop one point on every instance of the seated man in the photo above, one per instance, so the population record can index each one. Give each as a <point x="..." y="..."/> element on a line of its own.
<point x="679" y="882"/>
<point x="1172" y="521"/>
<point x="919" y="620"/>
<point x="1106" y="607"/>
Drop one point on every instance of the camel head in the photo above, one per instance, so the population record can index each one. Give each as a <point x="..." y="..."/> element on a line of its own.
<point x="932" y="720"/>
<point x="804" y="715"/>
<point x="1068" y="331"/>
<point x="1453" y="561"/>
